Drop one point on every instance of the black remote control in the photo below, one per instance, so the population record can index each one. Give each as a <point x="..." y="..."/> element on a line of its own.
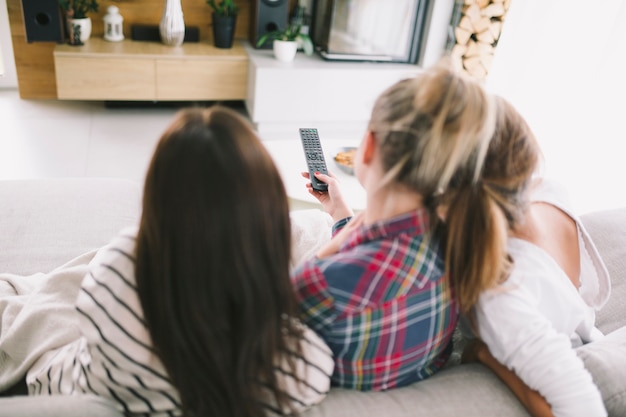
<point x="314" y="157"/>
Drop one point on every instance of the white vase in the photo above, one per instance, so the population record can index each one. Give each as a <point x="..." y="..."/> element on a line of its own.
<point x="76" y="26"/>
<point x="285" y="51"/>
<point x="172" y="26"/>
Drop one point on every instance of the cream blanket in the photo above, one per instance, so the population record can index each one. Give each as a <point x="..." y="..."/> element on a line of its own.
<point x="310" y="229"/>
<point x="37" y="315"/>
<point x="37" y="312"/>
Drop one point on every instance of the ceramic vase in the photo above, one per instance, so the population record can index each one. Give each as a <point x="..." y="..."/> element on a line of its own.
<point x="285" y="51"/>
<point x="172" y="26"/>
<point x="79" y="30"/>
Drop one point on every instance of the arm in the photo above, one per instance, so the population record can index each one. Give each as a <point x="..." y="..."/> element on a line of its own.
<point x="340" y="236"/>
<point x="534" y="403"/>
<point x="316" y="304"/>
<point x="308" y="382"/>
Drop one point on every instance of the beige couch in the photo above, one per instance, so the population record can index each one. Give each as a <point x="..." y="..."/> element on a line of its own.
<point x="44" y="223"/>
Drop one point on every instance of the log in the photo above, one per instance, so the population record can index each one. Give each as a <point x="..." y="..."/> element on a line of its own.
<point x="462" y="36"/>
<point x="476" y="35"/>
<point x="493" y="10"/>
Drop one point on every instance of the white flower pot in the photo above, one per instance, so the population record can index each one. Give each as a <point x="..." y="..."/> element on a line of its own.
<point x="84" y="26"/>
<point x="285" y="51"/>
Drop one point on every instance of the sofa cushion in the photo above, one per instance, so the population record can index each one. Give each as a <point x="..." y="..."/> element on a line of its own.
<point x="466" y="390"/>
<point x="608" y="231"/>
<point x="606" y="361"/>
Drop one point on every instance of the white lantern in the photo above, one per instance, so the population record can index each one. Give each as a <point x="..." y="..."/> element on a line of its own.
<point x="113" y="24"/>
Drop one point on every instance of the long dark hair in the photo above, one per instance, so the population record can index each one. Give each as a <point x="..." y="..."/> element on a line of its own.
<point x="213" y="263"/>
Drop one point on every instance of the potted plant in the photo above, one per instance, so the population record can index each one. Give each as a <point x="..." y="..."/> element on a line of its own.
<point x="286" y="42"/>
<point x="78" y="21"/>
<point x="224" y="20"/>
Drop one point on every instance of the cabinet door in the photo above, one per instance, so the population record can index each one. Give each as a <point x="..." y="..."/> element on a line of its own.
<point x="87" y="78"/>
<point x="208" y="79"/>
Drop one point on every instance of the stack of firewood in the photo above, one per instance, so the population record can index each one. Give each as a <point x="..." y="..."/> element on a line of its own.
<point x="475" y="34"/>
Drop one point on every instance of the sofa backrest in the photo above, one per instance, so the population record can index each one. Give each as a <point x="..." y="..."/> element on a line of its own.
<point x="45" y="223"/>
<point x="608" y="231"/>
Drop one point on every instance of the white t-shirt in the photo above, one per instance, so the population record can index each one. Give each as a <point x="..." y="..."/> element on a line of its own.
<point x="532" y="321"/>
<point x="115" y="359"/>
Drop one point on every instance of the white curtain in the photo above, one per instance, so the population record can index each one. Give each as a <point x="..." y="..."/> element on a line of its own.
<point x="8" y="77"/>
<point x="562" y="63"/>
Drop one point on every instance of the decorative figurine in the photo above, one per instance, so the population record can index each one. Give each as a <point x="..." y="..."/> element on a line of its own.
<point x="113" y="25"/>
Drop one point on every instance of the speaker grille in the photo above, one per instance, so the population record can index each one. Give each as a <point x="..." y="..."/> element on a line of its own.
<point x="267" y="16"/>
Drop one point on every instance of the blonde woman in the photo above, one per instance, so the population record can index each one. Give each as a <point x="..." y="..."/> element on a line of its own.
<point x="378" y="293"/>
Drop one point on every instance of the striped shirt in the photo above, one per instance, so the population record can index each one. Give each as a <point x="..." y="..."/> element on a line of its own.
<point x="115" y="358"/>
<point x="382" y="303"/>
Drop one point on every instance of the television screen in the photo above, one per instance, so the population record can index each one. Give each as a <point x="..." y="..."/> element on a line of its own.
<point x="369" y="30"/>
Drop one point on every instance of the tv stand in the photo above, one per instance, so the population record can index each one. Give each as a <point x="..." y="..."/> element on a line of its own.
<point x="150" y="71"/>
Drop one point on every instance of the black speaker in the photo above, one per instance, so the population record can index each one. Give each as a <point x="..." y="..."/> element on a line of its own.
<point x="43" y="21"/>
<point x="267" y="16"/>
<point x="151" y="33"/>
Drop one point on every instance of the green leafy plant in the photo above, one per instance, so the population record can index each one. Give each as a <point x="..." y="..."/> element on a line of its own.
<point x="292" y="33"/>
<point x="78" y="9"/>
<point x="223" y="7"/>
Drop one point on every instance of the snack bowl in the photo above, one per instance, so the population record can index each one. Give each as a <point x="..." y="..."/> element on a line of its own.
<point x="344" y="159"/>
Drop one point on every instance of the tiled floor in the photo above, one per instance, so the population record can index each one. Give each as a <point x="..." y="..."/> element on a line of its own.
<point x="55" y="139"/>
<point x="50" y="138"/>
<point x="41" y="138"/>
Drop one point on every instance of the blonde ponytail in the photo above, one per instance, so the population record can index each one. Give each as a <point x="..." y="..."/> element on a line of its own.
<point x="476" y="256"/>
<point x="442" y="135"/>
<point x="431" y="126"/>
<point x="480" y="214"/>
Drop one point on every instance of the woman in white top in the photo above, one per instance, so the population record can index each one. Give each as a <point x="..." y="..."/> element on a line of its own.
<point x="547" y="276"/>
<point x="192" y="313"/>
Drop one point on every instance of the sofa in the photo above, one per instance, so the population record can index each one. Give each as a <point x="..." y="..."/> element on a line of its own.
<point x="46" y="222"/>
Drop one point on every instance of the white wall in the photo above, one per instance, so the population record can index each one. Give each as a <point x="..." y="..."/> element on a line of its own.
<point x="562" y="63"/>
<point x="8" y="77"/>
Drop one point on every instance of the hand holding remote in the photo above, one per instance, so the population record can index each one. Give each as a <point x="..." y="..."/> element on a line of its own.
<point x="331" y="200"/>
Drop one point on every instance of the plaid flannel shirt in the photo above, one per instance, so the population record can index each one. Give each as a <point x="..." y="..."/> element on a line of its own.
<point x="382" y="303"/>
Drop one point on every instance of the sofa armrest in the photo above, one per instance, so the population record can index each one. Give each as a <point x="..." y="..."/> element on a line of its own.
<point x="606" y="361"/>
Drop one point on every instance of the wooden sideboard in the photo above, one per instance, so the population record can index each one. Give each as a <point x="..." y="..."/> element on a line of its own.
<point x="34" y="62"/>
<point x="146" y="71"/>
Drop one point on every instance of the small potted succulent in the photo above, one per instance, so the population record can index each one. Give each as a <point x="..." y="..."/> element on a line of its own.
<point x="78" y="21"/>
<point x="224" y="18"/>
<point x="286" y="42"/>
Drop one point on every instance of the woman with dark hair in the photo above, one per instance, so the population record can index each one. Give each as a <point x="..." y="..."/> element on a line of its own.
<point x="193" y="313"/>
